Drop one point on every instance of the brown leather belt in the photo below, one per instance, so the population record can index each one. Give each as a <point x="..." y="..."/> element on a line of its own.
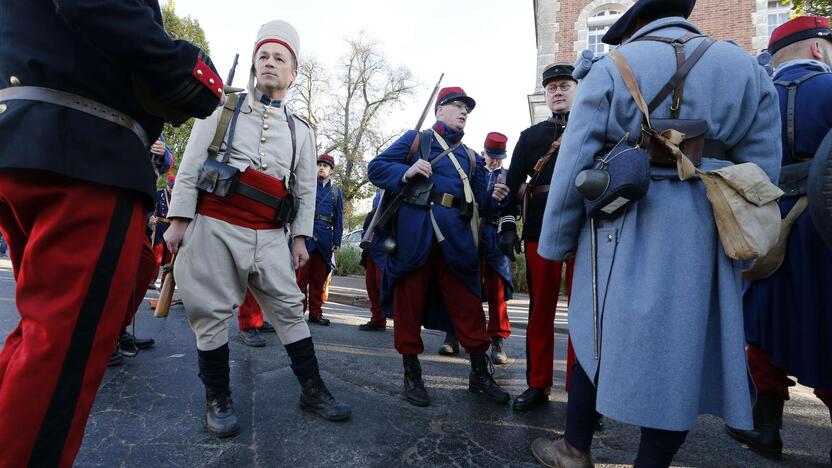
<point x="541" y="188"/>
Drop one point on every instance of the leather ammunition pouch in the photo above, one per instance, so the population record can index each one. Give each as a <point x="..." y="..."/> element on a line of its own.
<point x="218" y="178"/>
<point x="417" y="191"/>
<point x="794" y="179"/>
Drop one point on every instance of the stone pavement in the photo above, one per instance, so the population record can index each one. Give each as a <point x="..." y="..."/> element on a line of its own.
<point x="149" y="411"/>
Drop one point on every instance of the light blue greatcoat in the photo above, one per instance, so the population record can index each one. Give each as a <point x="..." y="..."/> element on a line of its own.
<point x="672" y="324"/>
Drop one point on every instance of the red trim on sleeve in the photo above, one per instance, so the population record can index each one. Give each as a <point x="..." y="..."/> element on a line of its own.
<point x="208" y="77"/>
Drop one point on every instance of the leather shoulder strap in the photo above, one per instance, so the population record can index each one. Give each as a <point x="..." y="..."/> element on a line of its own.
<point x="677" y="81"/>
<point x="229" y="110"/>
<point x="791" y="86"/>
<point x="290" y="119"/>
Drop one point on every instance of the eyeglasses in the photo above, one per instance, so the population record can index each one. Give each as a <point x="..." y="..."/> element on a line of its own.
<point x="563" y="88"/>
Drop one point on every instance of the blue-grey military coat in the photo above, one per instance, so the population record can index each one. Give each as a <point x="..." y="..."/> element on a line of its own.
<point x="671" y="332"/>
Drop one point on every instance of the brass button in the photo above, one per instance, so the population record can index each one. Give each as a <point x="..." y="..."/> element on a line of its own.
<point x="219" y="90"/>
<point x="211" y="81"/>
<point x="15" y="81"/>
<point x="2" y="108"/>
<point x="266" y="116"/>
<point x="199" y="73"/>
<point x="263" y="140"/>
<point x="265" y="126"/>
<point x="262" y="154"/>
<point x="610" y="238"/>
<point x="264" y="167"/>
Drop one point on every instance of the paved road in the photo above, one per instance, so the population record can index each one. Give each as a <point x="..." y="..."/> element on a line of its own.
<point x="149" y="411"/>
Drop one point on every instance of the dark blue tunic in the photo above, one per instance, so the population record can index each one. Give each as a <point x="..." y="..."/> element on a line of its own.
<point x="325" y="235"/>
<point x="490" y="241"/>
<point x="415" y="234"/>
<point x="789" y="314"/>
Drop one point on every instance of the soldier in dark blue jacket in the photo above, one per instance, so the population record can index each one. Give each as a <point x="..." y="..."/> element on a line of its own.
<point x="788" y="315"/>
<point x="80" y="81"/>
<point x="325" y="241"/>
<point x="437" y="235"/>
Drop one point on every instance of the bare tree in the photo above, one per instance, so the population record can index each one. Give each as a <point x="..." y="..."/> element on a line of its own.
<point x="367" y="89"/>
<point x="310" y="91"/>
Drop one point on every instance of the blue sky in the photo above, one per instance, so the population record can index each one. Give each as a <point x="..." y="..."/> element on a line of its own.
<point x="485" y="46"/>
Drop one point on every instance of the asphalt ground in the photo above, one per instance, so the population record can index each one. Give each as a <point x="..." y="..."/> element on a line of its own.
<point x="149" y="411"/>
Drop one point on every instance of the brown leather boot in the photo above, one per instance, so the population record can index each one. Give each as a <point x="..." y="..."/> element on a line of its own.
<point x="559" y="454"/>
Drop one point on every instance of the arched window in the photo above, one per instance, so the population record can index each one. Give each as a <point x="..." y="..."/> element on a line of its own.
<point x="777" y="14"/>
<point x="598" y="25"/>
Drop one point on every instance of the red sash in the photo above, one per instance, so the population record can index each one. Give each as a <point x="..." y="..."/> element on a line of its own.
<point x="241" y="210"/>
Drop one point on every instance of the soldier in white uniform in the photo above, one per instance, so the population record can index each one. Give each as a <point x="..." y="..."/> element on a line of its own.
<point x="236" y="199"/>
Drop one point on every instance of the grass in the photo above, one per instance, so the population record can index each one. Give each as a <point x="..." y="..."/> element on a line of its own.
<point x="346" y="262"/>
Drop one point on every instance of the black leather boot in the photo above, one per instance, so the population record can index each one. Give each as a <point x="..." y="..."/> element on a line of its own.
<point x="530" y="399"/>
<point x="481" y="379"/>
<point x="130" y="342"/>
<point x="219" y="413"/>
<point x="764" y="439"/>
<point x="315" y="397"/>
<point x="214" y="372"/>
<point x="450" y="346"/>
<point x="414" y="387"/>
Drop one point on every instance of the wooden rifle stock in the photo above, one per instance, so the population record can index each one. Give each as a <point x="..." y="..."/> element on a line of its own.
<point x="166" y="294"/>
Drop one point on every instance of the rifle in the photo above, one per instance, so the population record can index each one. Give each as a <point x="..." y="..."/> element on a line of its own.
<point x="228" y="89"/>
<point x="386" y="208"/>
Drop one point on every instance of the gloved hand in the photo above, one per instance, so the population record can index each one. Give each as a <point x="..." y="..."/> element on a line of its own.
<point x="510" y="243"/>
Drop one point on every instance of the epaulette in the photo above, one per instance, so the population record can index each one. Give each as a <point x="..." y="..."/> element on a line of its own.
<point x="764" y="60"/>
<point x="584" y="64"/>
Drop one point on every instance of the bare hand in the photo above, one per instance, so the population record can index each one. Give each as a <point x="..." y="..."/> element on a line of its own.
<point x="420" y="167"/>
<point x="153" y="220"/>
<point x="174" y="234"/>
<point x="158" y="148"/>
<point x="500" y="192"/>
<point x="299" y="254"/>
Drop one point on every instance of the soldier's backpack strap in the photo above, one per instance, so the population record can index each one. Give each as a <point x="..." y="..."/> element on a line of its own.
<point x="290" y="120"/>
<point x="229" y="112"/>
<point x="791" y="86"/>
<point x="676" y="84"/>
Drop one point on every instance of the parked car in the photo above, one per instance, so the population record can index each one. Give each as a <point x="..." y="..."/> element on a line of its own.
<point x="352" y="239"/>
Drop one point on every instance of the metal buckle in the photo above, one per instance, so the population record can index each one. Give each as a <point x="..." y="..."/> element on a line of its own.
<point x="447" y="200"/>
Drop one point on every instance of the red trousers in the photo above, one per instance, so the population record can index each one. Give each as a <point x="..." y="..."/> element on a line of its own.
<point x="544" y="287"/>
<point x="250" y="315"/>
<point x="75" y="250"/>
<point x="163" y="257"/>
<point x="410" y="298"/>
<point x="311" y="281"/>
<point x="372" y="279"/>
<point x="770" y="379"/>
<point x="148" y="270"/>
<point x="495" y="293"/>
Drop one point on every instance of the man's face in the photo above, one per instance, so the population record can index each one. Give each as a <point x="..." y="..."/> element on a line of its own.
<point x="274" y="67"/>
<point x="559" y="94"/>
<point x="491" y="163"/>
<point x="324" y="170"/>
<point x="454" y="114"/>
